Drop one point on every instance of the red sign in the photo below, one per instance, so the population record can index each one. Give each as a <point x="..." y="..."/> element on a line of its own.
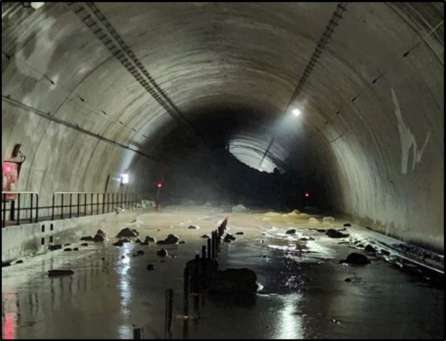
<point x="10" y="177"/>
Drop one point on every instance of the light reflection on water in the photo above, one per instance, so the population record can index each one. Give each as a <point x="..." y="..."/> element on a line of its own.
<point x="125" y="293"/>
<point x="289" y="324"/>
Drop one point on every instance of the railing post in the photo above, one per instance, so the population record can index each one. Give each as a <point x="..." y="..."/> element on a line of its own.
<point x="37" y="207"/>
<point x="97" y="203"/>
<point x="52" y="205"/>
<point x="168" y="316"/>
<point x="136" y="333"/>
<point x="61" y="206"/>
<point x="85" y="203"/>
<point x="78" y="203"/>
<point x="4" y="210"/>
<point x="186" y="292"/>
<point x="91" y="203"/>
<point x="103" y="202"/>
<point x="18" y="209"/>
<point x="31" y="208"/>
<point x="71" y="202"/>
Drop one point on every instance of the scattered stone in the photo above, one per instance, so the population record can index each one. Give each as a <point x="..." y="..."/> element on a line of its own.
<point x="328" y="219"/>
<point x="98" y="238"/>
<point x="6" y="264"/>
<point x="119" y="243"/>
<point x="233" y="281"/>
<point x="171" y="239"/>
<point x="87" y="238"/>
<point x="127" y="233"/>
<point x="369" y="248"/>
<point x="150" y="267"/>
<point x="239" y="233"/>
<point x="162" y="253"/>
<point x="148" y="240"/>
<point x="205" y="236"/>
<point x="67" y="244"/>
<point x="181" y="242"/>
<point x="321" y="230"/>
<point x="348" y="280"/>
<point x="138" y="241"/>
<point x="291" y="231"/>
<point x="356" y="259"/>
<point x="100" y="232"/>
<point x="336" y="234"/>
<point x="347" y="224"/>
<point x="139" y="252"/>
<point x="313" y="220"/>
<point x="239" y="208"/>
<point x="68" y="249"/>
<point x="54" y="247"/>
<point x="76" y="249"/>
<point x="55" y="273"/>
<point x="19" y="261"/>
<point x="193" y="227"/>
<point x="228" y="238"/>
<point x="84" y="244"/>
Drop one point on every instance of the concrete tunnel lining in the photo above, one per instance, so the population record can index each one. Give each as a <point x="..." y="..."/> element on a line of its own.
<point x="207" y="55"/>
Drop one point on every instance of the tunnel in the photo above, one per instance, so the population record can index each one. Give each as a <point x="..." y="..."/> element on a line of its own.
<point x="333" y="111"/>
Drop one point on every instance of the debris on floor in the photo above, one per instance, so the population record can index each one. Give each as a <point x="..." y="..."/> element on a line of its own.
<point x="148" y="240"/>
<point x="356" y="259"/>
<point x="54" y="247"/>
<point x="205" y="236"/>
<point x="239" y="233"/>
<point x="193" y="227"/>
<point x="332" y="233"/>
<point x="171" y="239"/>
<point x="55" y="273"/>
<point x="291" y="231"/>
<point x="68" y="249"/>
<point x="162" y="253"/>
<point x="228" y="238"/>
<point x="127" y="233"/>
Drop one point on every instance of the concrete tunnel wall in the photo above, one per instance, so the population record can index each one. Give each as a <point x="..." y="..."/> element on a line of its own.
<point x="372" y="107"/>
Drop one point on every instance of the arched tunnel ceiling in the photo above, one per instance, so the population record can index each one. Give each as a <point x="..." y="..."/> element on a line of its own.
<point x="242" y="61"/>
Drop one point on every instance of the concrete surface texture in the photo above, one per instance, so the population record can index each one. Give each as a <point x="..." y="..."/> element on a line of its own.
<point x="372" y="107"/>
<point x="304" y="291"/>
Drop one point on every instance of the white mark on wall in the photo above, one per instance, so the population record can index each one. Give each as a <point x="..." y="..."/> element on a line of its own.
<point x="407" y="140"/>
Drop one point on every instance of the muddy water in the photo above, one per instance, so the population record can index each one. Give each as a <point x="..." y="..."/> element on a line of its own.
<point x="304" y="293"/>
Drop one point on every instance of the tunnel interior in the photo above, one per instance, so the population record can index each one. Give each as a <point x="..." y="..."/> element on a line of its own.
<point x="200" y="97"/>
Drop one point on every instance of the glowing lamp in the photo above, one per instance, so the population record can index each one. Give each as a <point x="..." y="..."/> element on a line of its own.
<point x="296" y="112"/>
<point x="125" y="178"/>
<point x="159" y="185"/>
<point x="307" y="195"/>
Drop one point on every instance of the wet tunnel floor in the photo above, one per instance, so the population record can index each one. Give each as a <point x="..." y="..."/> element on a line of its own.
<point x="304" y="293"/>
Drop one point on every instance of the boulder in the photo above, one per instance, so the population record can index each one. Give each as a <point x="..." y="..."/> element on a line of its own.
<point x="54" y="247"/>
<point x="56" y="273"/>
<point x="127" y="233"/>
<point x="291" y="231"/>
<point x="332" y="233"/>
<point x="87" y="238"/>
<point x="171" y="239"/>
<point x="162" y="253"/>
<point x="356" y="259"/>
<point x="150" y="267"/>
<point x="193" y="227"/>
<point x="233" y="281"/>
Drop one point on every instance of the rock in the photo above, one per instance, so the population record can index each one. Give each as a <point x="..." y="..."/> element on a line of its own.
<point x="347" y="224"/>
<point x="328" y="219"/>
<point x="84" y="244"/>
<point x="87" y="238"/>
<point x="6" y="264"/>
<point x="233" y="281"/>
<point x="67" y="244"/>
<point x="193" y="227"/>
<point x="228" y="238"/>
<point x="127" y="233"/>
<point x="119" y="243"/>
<point x="370" y="248"/>
<point x="100" y="232"/>
<point x="239" y="233"/>
<point x="348" y="280"/>
<point x="335" y="234"/>
<point x="55" y="273"/>
<point x="313" y="221"/>
<point x="68" y="249"/>
<point x="98" y="238"/>
<point x="148" y="240"/>
<point x="321" y="230"/>
<point x="139" y="252"/>
<point x="138" y="241"/>
<point x="54" y="247"/>
<point x="150" y="267"/>
<point x="181" y="242"/>
<point x="356" y="259"/>
<point x="291" y="231"/>
<point x="205" y="236"/>
<point x="239" y="208"/>
<point x="76" y="249"/>
<point x="162" y="253"/>
<point x="19" y="261"/>
<point x="171" y="239"/>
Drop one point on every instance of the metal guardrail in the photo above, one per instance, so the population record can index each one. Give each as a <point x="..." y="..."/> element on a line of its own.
<point x="19" y="207"/>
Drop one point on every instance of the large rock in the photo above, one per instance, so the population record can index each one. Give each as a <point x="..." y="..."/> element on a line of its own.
<point x="171" y="239"/>
<point x="332" y="233"/>
<point x="233" y="281"/>
<point x="127" y="233"/>
<point x="356" y="259"/>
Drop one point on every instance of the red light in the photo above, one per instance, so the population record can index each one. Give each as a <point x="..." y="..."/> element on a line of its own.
<point x="307" y="194"/>
<point x="159" y="185"/>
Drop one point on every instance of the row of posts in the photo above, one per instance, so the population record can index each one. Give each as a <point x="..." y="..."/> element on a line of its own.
<point x="209" y="252"/>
